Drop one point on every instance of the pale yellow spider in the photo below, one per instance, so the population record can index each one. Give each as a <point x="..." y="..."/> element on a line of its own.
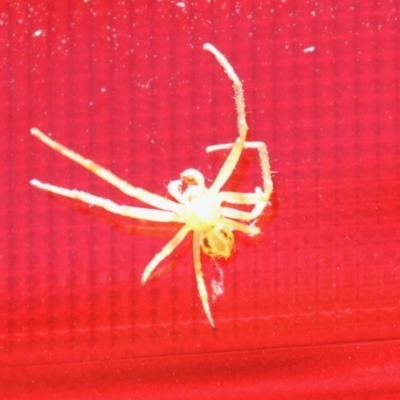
<point x="199" y="208"/>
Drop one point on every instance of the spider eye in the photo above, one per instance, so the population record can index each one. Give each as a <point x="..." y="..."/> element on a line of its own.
<point x="218" y="242"/>
<point x="192" y="177"/>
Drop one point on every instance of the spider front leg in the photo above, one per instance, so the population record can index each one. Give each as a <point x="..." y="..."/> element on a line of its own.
<point x="233" y="157"/>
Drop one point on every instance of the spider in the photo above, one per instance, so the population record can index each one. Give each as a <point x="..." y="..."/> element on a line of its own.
<point x="199" y="208"/>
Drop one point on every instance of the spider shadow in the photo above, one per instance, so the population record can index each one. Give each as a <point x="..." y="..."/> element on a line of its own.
<point x="142" y="227"/>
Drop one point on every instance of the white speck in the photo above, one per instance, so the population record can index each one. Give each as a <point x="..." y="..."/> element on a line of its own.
<point x="180" y="4"/>
<point x="103" y="89"/>
<point x="217" y="284"/>
<point x="38" y="32"/>
<point x="309" y="49"/>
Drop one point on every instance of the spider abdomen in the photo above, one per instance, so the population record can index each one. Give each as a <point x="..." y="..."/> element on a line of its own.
<point x="218" y="241"/>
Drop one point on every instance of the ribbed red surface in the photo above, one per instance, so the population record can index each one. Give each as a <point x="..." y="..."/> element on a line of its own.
<point x="128" y="85"/>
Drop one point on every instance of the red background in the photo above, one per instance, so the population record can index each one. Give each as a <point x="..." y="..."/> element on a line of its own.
<point x="310" y="307"/>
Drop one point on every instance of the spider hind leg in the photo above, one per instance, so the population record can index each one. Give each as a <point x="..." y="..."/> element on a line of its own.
<point x="201" y="286"/>
<point x="165" y="252"/>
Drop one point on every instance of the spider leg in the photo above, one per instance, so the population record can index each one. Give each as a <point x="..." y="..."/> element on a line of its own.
<point x="165" y="252"/>
<point x="237" y="198"/>
<point x="201" y="286"/>
<point x="245" y="215"/>
<point x="138" y="193"/>
<point x="242" y="198"/>
<point x="237" y="226"/>
<point x="233" y="157"/>
<point x="257" y="199"/>
<point x="174" y="189"/>
<point x="127" y="211"/>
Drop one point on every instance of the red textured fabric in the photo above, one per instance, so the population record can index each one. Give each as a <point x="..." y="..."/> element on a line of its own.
<point x="309" y="307"/>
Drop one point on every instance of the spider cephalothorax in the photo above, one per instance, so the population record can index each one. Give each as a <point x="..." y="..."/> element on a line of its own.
<point x="199" y="208"/>
<point x="202" y="212"/>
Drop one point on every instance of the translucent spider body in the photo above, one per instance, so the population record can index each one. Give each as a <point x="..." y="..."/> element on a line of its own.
<point x="200" y="209"/>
